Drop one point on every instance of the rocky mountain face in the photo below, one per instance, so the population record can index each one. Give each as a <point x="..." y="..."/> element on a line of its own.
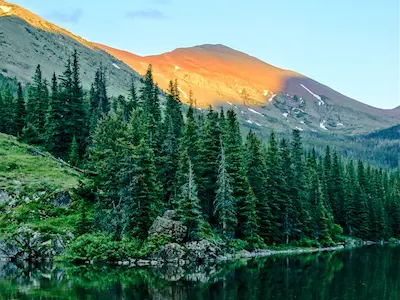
<point x="264" y="96"/>
<point x="27" y="40"/>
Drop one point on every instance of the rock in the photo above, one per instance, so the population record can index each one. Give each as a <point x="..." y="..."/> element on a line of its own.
<point x="70" y="235"/>
<point x="4" y="197"/>
<point x="29" y="245"/>
<point x="171" y="252"/>
<point x="243" y="254"/>
<point x="163" y="227"/>
<point x="170" y="215"/>
<point x="59" y="244"/>
<point x="143" y="262"/>
<point x="62" y="199"/>
<point x="202" y="250"/>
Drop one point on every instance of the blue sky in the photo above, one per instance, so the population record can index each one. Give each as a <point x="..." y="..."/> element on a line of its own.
<point x="349" y="45"/>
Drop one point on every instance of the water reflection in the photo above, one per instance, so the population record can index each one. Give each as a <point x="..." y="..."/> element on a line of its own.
<point x="370" y="273"/>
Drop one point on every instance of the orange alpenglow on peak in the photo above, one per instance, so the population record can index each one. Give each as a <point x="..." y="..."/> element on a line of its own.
<point x="215" y="73"/>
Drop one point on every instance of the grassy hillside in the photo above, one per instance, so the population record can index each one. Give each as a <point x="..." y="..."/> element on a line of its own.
<point x="33" y="184"/>
<point x="21" y="169"/>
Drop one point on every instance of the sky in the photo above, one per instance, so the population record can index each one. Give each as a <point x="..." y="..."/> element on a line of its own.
<point x="352" y="46"/>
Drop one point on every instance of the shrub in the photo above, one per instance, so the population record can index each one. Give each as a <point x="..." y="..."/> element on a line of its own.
<point x="100" y="247"/>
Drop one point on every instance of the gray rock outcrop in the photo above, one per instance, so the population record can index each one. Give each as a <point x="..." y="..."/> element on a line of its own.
<point x="165" y="226"/>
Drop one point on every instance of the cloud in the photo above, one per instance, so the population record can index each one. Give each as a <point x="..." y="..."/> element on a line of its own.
<point x="146" y="14"/>
<point x="66" y="17"/>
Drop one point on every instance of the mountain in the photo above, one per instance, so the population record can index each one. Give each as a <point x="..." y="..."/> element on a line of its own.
<point x="27" y="40"/>
<point x="264" y="95"/>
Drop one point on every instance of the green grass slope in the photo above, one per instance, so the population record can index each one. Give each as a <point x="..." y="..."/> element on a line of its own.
<point x="33" y="182"/>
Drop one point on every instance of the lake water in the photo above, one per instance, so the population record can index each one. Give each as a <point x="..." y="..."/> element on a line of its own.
<point x="367" y="273"/>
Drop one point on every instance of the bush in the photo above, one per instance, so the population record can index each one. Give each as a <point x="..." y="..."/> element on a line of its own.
<point x="307" y="242"/>
<point x="337" y="233"/>
<point x="100" y="247"/>
<point x="151" y="246"/>
<point x="237" y="244"/>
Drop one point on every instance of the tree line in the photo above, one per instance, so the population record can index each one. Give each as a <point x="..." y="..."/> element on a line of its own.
<point x="145" y="156"/>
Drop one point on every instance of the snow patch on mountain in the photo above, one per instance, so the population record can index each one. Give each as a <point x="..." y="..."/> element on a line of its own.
<point x="177" y="68"/>
<point x="249" y="121"/>
<point x="272" y="97"/>
<point x="254" y="111"/>
<point x="5" y="9"/>
<point x="320" y="102"/>
<point x="285" y="114"/>
<point x="299" y="128"/>
<point x="340" y="124"/>
<point x="258" y="124"/>
<point x="184" y="94"/>
<point x="265" y="93"/>
<point x="302" y="122"/>
<point x="230" y="103"/>
<point x="322" y="125"/>
<point x="116" y="66"/>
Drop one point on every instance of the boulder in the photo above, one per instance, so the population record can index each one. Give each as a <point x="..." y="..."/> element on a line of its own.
<point x="202" y="250"/>
<point x="62" y="199"/>
<point x="4" y="197"/>
<point x="171" y="252"/>
<point x="166" y="227"/>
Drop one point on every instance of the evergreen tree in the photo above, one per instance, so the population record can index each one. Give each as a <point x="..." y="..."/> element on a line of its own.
<point x="243" y="193"/>
<point x="74" y="153"/>
<point x="146" y="191"/>
<point x="282" y="178"/>
<point x="209" y="150"/>
<point x="55" y="123"/>
<point x="2" y="114"/>
<point x="298" y="186"/>
<point x="225" y="203"/>
<point x="36" y="109"/>
<point x="20" y="112"/>
<point x="8" y="111"/>
<point x="78" y="113"/>
<point x="189" y="210"/>
<point x="256" y="174"/>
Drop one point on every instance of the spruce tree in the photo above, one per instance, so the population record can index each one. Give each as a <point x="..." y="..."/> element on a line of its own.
<point x="146" y="190"/>
<point x="2" y="114"/>
<point x="56" y="137"/>
<point x="257" y="176"/>
<point x="243" y="193"/>
<point x="20" y="112"/>
<point x="74" y="152"/>
<point x="8" y="111"/>
<point x="225" y="203"/>
<point x="188" y="203"/>
<point x="209" y="150"/>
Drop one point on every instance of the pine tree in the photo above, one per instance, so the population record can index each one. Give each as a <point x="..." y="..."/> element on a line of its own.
<point x="56" y="138"/>
<point x="8" y="111"/>
<point x="74" y="153"/>
<point x="209" y="150"/>
<point x="283" y="179"/>
<point x="78" y="112"/>
<point x="298" y="186"/>
<point x="146" y="190"/>
<point x="320" y="229"/>
<point x="2" y="114"/>
<point x="256" y="174"/>
<point x="350" y="200"/>
<point x="243" y="193"/>
<point x="189" y="210"/>
<point x="20" y="112"/>
<point x="225" y="203"/>
<point x="35" y="109"/>
<point x="83" y="226"/>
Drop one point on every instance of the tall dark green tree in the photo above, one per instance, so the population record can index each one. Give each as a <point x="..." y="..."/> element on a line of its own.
<point x="209" y="150"/>
<point x="257" y="176"/>
<point x="225" y="203"/>
<point x="20" y="111"/>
